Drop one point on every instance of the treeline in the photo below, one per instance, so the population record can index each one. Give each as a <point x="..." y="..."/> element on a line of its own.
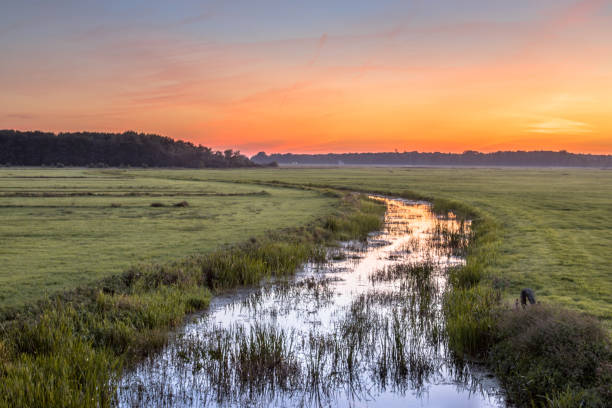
<point x="110" y="149"/>
<point x="468" y="158"/>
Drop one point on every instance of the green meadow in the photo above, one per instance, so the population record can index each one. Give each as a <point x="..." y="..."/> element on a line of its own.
<point x="65" y="228"/>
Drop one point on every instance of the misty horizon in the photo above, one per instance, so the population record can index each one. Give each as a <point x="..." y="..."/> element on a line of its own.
<point x="251" y="153"/>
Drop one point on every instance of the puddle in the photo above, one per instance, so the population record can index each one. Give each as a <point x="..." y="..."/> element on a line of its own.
<point x="365" y="329"/>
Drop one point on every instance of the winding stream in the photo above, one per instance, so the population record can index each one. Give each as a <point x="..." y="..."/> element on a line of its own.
<point x="365" y="329"/>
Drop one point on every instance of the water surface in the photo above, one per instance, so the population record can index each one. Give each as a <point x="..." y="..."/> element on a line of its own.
<point x="365" y="329"/>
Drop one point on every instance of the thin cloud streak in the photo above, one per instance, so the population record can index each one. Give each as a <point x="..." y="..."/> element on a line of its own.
<point x="559" y="125"/>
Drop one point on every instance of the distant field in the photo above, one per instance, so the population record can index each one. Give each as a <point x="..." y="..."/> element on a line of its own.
<point x="556" y="223"/>
<point x="555" y="234"/>
<point x="63" y="228"/>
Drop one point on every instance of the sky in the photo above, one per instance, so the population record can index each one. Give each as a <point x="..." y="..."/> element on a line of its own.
<point x="316" y="76"/>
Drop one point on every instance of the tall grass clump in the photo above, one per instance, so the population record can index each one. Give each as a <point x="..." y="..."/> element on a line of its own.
<point x="548" y="356"/>
<point x="367" y="217"/>
<point x="265" y="356"/>
<point x="46" y="363"/>
<point x="471" y="302"/>
<point x="470" y="314"/>
<point x="135" y="324"/>
<point x="248" y="264"/>
<point x="467" y="276"/>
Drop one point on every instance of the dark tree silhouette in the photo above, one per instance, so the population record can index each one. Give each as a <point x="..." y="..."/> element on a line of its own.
<point x="110" y="149"/>
<point x="467" y="158"/>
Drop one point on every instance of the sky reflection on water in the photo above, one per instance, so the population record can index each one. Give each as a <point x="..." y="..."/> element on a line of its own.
<point x="338" y="328"/>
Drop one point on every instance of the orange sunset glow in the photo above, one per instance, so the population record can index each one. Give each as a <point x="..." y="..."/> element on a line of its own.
<point x="525" y="75"/>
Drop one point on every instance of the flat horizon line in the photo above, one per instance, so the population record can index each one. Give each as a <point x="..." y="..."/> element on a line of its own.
<point x="247" y="153"/>
<point x="438" y="152"/>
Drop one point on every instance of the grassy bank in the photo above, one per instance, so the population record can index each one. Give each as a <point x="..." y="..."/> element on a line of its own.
<point x="69" y="350"/>
<point x="544" y="355"/>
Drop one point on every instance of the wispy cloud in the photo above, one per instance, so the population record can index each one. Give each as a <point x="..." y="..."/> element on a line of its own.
<point x="320" y="45"/>
<point x="20" y="116"/>
<point x="580" y="12"/>
<point x="561" y="126"/>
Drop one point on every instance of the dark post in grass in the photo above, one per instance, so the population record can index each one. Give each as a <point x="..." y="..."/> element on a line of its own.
<point x="527" y="294"/>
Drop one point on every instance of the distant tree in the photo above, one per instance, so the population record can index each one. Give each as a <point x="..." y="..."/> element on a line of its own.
<point x="467" y="158"/>
<point x="110" y="149"/>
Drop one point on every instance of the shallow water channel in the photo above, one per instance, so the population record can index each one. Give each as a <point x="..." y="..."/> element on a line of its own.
<point x="365" y="329"/>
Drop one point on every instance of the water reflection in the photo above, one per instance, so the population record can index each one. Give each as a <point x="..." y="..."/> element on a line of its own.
<point x="364" y="329"/>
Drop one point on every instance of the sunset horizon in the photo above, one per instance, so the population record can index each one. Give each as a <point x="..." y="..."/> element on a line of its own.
<point x="322" y="151"/>
<point x="316" y="78"/>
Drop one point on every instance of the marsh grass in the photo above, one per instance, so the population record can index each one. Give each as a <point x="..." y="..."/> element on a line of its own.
<point x="562" y="358"/>
<point x="290" y="295"/>
<point x="389" y="337"/>
<point x="258" y="360"/>
<point x="357" y="224"/>
<point x="375" y="343"/>
<point x="47" y="364"/>
<point x="70" y="349"/>
<point x="419" y="272"/>
<point x="545" y="356"/>
<point x="453" y="240"/>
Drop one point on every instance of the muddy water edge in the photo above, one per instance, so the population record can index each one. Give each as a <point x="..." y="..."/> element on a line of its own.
<point x="364" y="328"/>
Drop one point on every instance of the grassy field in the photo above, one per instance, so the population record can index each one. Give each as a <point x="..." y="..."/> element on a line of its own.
<point x="59" y="228"/>
<point x="63" y="228"/>
<point x="555" y="223"/>
<point x="545" y="229"/>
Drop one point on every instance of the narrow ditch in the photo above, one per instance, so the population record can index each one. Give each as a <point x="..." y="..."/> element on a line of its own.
<point x="364" y="328"/>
